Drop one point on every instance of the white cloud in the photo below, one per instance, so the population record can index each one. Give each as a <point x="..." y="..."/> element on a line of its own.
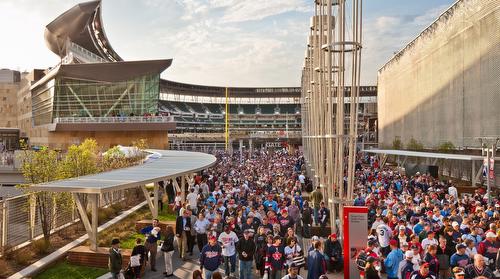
<point x="260" y="9"/>
<point x="387" y="22"/>
<point x="396" y="31"/>
<point x="193" y="9"/>
<point x="429" y="17"/>
<point x="214" y="42"/>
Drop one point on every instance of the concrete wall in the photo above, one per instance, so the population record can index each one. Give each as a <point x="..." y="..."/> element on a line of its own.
<point x="8" y="104"/>
<point x="445" y="85"/>
<point x="62" y="140"/>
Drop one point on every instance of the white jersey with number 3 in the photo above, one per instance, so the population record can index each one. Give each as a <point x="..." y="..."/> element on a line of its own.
<point x="384" y="234"/>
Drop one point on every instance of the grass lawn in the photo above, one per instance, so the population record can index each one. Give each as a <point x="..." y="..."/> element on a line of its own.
<point x="129" y="243"/>
<point x="166" y="214"/>
<point x="64" y="270"/>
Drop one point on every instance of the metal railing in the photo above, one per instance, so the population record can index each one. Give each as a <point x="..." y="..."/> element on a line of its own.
<point x="7" y="159"/>
<point x="204" y="147"/>
<point x="115" y="119"/>
<point x="92" y="57"/>
<point x="20" y="223"/>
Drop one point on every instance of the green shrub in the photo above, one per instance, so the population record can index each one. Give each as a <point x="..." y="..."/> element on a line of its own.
<point x="413" y="144"/>
<point x="22" y="258"/>
<point x="41" y="247"/>
<point x="446" y="147"/>
<point x="397" y="144"/>
<point x="117" y="207"/>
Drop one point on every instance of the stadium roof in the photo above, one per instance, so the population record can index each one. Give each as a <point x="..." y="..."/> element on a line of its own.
<point x="108" y="71"/>
<point x="162" y="165"/>
<point x="81" y="25"/>
<point x="427" y="154"/>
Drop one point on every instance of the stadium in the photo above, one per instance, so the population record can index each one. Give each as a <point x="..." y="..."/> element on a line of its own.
<point x="308" y="168"/>
<point x="59" y="105"/>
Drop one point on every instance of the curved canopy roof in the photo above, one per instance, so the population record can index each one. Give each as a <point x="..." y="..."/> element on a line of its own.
<point x="162" y="165"/>
<point x="81" y="25"/>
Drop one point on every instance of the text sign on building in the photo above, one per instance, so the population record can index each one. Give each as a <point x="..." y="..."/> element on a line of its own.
<point x="273" y="144"/>
<point x="355" y="228"/>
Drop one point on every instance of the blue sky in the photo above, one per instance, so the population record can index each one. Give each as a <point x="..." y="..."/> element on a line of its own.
<point x="215" y="42"/>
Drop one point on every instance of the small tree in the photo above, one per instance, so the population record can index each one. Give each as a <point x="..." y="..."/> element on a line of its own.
<point x="80" y="160"/>
<point x="446" y="147"/>
<point x="140" y="145"/>
<point x="42" y="167"/>
<point x="413" y="144"/>
<point x="397" y="144"/>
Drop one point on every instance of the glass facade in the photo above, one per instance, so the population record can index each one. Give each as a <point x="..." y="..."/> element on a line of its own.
<point x="80" y="98"/>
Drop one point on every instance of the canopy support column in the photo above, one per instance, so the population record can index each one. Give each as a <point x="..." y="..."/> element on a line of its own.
<point x="183" y="188"/>
<point x="473" y="173"/>
<point x="176" y="185"/>
<point x="153" y="206"/>
<point x="90" y="227"/>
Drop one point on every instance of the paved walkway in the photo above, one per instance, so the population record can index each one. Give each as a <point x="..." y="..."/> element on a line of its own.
<point x="184" y="269"/>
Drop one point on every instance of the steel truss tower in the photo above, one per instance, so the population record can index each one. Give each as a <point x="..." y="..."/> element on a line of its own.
<point x="330" y="111"/>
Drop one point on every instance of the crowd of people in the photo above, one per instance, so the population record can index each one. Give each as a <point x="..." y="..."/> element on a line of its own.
<point x="249" y="213"/>
<point x="420" y="228"/>
<point x="248" y="216"/>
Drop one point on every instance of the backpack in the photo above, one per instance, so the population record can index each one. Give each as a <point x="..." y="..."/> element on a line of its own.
<point x="361" y="260"/>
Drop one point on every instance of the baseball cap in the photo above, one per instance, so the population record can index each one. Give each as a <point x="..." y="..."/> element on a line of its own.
<point x="458" y="271"/>
<point x="402" y="228"/>
<point x="460" y="246"/>
<point x="393" y="242"/>
<point x="333" y="235"/>
<point x="454" y="224"/>
<point x="315" y="238"/>
<point x="409" y="254"/>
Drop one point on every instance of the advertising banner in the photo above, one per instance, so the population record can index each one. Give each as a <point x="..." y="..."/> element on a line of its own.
<point x="355" y="236"/>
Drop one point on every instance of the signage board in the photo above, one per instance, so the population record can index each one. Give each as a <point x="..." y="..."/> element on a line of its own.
<point x="355" y="236"/>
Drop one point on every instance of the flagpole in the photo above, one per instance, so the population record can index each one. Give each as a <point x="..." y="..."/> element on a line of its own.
<point x="227" y="119"/>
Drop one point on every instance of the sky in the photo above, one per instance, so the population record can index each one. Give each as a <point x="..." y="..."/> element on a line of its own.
<point x="254" y="43"/>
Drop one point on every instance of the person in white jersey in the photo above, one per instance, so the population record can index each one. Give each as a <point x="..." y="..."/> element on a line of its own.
<point x="384" y="234"/>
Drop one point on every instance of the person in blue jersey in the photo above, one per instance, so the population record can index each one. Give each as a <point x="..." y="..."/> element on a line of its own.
<point x="393" y="259"/>
<point x="153" y="235"/>
<point x="315" y="262"/>
<point x="210" y="257"/>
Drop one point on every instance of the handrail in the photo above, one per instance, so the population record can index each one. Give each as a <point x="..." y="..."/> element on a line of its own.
<point x="115" y="119"/>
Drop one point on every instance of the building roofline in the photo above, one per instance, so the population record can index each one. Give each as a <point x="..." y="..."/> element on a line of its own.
<point x="82" y="25"/>
<point x="419" y="36"/>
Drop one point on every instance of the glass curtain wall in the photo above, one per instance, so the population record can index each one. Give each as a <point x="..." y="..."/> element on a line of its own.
<point x="79" y="98"/>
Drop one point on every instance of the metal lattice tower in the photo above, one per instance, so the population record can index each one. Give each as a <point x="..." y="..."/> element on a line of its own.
<point x="329" y="111"/>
